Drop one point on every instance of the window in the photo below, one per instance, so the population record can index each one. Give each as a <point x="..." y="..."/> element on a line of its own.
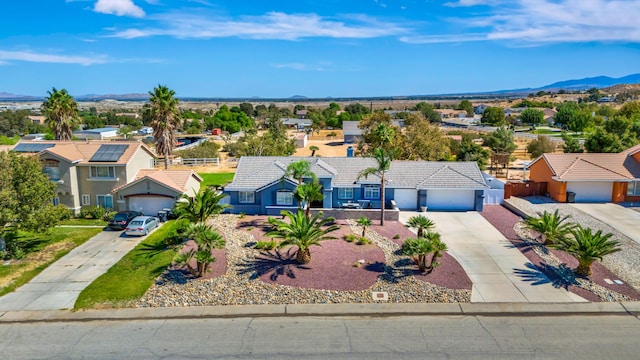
<point x="51" y="168"/>
<point x="372" y="192"/>
<point x="105" y="172"/>
<point x="345" y="193"/>
<point x="56" y="201"/>
<point x="284" y="198"/>
<point x="86" y="200"/>
<point x="246" y="197"/>
<point x="105" y="201"/>
<point x="634" y="188"/>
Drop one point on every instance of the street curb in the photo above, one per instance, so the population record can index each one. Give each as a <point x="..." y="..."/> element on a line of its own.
<point x="325" y="310"/>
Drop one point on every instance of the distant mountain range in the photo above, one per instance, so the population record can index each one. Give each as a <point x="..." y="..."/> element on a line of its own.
<point x="572" y="85"/>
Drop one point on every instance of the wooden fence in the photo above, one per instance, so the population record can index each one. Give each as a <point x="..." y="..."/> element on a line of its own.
<point x="524" y="188"/>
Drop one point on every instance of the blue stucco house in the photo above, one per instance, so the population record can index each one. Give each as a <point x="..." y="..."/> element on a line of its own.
<point x="259" y="185"/>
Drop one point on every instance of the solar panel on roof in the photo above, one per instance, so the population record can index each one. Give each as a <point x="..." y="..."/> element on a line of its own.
<point x="31" y="148"/>
<point x="108" y="153"/>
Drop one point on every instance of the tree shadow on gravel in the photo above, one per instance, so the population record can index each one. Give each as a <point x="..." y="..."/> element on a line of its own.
<point x="528" y="246"/>
<point x="256" y="224"/>
<point x="175" y="276"/>
<point x="547" y="274"/>
<point x="274" y="263"/>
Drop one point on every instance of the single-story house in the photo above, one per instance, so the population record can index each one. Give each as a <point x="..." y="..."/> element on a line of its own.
<point x="352" y="133"/>
<point x="296" y="123"/>
<point x="153" y="190"/>
<point x="259" y="185"/>
<point x="96" y="134"/>
<point x="592" y="177"/>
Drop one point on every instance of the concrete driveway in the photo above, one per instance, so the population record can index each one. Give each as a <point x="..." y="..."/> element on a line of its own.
<point x="491" y="261"/>
<point x="625" y="220"/>
<point x="59" y="285"/>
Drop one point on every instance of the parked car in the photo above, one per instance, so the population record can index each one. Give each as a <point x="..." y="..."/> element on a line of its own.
<point x="122" y="219"/>
<point x="141" y="225"/>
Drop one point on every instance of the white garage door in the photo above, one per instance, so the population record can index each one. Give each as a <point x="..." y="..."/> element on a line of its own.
<point x="591" y="191"/>
<point x="150" y="205"/>
<point x="406" y="199"/>
<point x="451" y="199"/>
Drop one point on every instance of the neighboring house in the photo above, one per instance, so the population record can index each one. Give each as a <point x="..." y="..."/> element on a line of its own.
<point x="479" y="109"/>
<point x="259" y="186"/>
<point x="153" y="190"/>
<point x="592" y="177"/>
<point x="302" y="114"/>
<point x="86" y="173"/>
<point x="352" y="133"/>
<point x="296" y="123"/>
<point x="96" y="134"/>
<point x="549" y="115"/>
<point x="37" y="120"/>
<point x="451" y="113"/>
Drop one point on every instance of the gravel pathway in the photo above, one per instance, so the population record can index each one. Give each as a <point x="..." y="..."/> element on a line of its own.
<point x="241" y="285"/>
<point x="625" y="263"/>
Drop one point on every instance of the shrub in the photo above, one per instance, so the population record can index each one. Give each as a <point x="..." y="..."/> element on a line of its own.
<point x="363" y="241"/>
<point x="63" y="213"/>
<point x="396" y="236"/>
<point x="178" y="234"/>
<point x="350" y="238"/>
<point x="92" y="212"/>
<point x="266" y="245"/>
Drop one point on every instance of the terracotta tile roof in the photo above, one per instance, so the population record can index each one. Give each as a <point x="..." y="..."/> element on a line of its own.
<point x="174" y="179"/>
<point x="81" y="152"/>
<point x="593" y="166"/>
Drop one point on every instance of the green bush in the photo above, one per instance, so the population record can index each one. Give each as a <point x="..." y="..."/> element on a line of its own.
<point x="63" y="213"/>
<point x="178" y="234"/>
<point x="396" y="236"/>
<point x="363" y="241"/>
<point x="92" y="212"/>
<point x="350" y="238"/>
<point x="266" y="245"/>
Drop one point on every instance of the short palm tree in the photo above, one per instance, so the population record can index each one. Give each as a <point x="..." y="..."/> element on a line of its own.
<point x="421" y="224"/>
<point x="202" y="206"/>
<point x="587" y="247"/>
<point x="206" y="239"/>
<point x="61" y="111"/>
<point x="299" y="170"/>
<point x="308" y="193"/>
<point x="164" y="115"/>
<point x="313" y="149"/>
<point x="364" y="222"/>
<point x="419" y="249"/>
<point x="383" y="163"/>
<point x="551" y="226"/>
<point x="302" y="231"/>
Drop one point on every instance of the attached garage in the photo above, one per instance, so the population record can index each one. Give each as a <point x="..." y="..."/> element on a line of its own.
<point x="149" y="204"/>
<point x="406" y="199"/>
<point x="451" y="199"/>
<point x="591" y="191"/>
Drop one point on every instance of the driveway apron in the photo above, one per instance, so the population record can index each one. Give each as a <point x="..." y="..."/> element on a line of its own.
<point x="490" y="260"/>
<point x="625" y="220"/>
<point x="59" y="285"/>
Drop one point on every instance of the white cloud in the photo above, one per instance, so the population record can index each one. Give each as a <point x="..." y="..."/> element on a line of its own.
<point x="323" y="66"/>
<point x="119" y="8"/>
<point x="28" y="56"/>
<point x="545" y="21"/>
<point x="273" y="25"/>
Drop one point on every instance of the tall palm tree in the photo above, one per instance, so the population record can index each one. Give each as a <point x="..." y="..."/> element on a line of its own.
<point x="308" y="193"/>
<point x="421" y="224"/>
<point x="302" y="231"/>
<point x="162" y="110"/>
<point x="299" y="170"/>
<point x="551" y="226"/>
<point x="206" y="239"/>
<point x="364" y="222"/>
<point x="587" y="247"/>
<point x="202" y="206"/>
<point x="383" y="162"/>
<point x="61" y="111"/>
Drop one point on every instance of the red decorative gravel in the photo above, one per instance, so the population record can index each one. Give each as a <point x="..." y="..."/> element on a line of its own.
<point x="391" y="229"/>
<point x="219" y="267"/>
<point x="449" y="274"/>
<point x="504" y="220"/>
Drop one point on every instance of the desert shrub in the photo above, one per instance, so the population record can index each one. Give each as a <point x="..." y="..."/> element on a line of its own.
<point x="350" y="238"/>
<point x="266" y="245"/>
<point x="363" y="241"/>
<point x="396" y="236"/>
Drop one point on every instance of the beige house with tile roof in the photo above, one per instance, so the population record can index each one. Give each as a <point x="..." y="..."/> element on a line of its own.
<point x="592" y="177"/>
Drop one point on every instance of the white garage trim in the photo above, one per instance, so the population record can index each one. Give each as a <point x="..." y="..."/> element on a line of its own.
<point x="149" y="204"/>
<point x="406" y="199"/>
<point x="591" y="191"/>
<point x="451" y="199"/>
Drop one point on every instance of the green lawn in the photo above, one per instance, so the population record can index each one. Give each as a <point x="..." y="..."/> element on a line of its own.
<point x="129" y="279"/>
<point x="84" y="222"/>
<point x="215" y="179"/>
<point x="4" y="140"/>
<point x="23" y="272"/>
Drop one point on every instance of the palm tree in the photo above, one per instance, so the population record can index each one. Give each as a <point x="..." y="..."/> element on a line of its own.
<point x="587" y="247"/>
<point x="420" y="223"/>
<point x="206" y="239"/>
<point x="162" y="110"/>
<point x="364" y="222"/>
<point x="61" y="111"/>
<point x="383" y="163"/>
<point x="313" y="149"/>
<point x="308" y="193"/>
<point x="551" y="226"/>
<point x="202" y="206"/>
<point x="419" y="249"/>
<point x="302" y="231"/>
<point x="299" y="170"/>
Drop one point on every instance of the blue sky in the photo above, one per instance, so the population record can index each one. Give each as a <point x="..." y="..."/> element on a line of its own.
<point x="315" y="48"/>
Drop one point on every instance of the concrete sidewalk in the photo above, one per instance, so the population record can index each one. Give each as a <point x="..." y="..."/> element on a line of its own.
<point x="58" y="286"/>
<point x="498" y="270"/>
